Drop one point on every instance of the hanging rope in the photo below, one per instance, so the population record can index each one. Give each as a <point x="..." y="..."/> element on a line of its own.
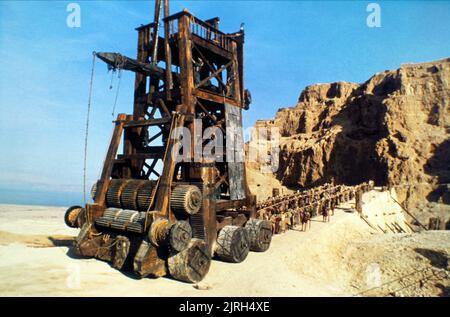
<point x="119" y="76"/>
<point x="112" y="78"/>
<point x="87" y="126"/>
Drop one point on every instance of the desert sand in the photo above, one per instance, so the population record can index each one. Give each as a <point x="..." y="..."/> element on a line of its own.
<point x="345" y="257"/>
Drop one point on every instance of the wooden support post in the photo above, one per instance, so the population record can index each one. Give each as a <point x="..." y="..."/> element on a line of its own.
<point x="155" y="37"/>
<point x="168" y="53"/>
<point x="140" y="79"/>
<point x="214" y="74"/>
<point x="240" y="53"/>
<point x="140" y="102"/>
<point x="209" y="206"/>
<point x="187" y="81"/>
<point x="186" y="68"/>
<point x="128" y="148"/>
<point x="165" y="180"/>
<point x="235" y="71"/>
<point x="103" y="185"/>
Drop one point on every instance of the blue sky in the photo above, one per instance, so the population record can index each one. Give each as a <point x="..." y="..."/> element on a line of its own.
<point x="45" y="68"/>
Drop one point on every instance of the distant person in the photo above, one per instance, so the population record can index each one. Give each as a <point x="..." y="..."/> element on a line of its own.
<point x="358" y="200"/>
<point x="325" y="213"/>
<point x="198" y="64"/>
<point x="333" y="205"/>
<point x="306" y="218"/>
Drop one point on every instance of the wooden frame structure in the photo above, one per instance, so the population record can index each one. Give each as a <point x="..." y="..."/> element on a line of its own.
<point x="202" y="87"/>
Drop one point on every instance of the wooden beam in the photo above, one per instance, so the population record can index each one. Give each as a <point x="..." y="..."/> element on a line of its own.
<point x="235" y="71"/>
<point x="155" y="38"/>
<point x="210" y="66"/>
<point x="229" y="204"/>
<point x="217" y="72"/>
<point x="186" y="67"/>
<point x="212" y="47"/>
<point x="215" y="98"/>
<point x="140" y="156"/>
<point x="153" y="138"/>
<point x="144" y="123"/>
<point x="168" y="53"/>
<point x="209" y="205"/>
<point x="222" y="179"/>
<point x="165" y="180"/>
<point x="109" y="161"/>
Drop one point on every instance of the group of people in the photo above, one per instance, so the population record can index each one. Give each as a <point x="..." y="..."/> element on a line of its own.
<point x="288" y="211"/>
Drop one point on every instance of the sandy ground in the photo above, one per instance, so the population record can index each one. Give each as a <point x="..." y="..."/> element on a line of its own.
<point x="331" y="259"/>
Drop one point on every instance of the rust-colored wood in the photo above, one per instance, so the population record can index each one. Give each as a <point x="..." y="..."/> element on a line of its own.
<point x="165" y="180"/>
<point x="210" y="66"/>
<point x="206" y="95"/>
<point x="142" y="123"/>
<point x="229" y="204"/>
<point x="109" y="161"/>
<point x="209" y="206"/>
<point x="235" y="70"/>
<point x="186" y="68"/>
<point x="212" y="47"/>
<point x="179" y="102"/>
<point x="156" y="32"/>
<point x="128" y="148"/>
<point x="141" y="156"/>
<point x="94" y="211"/>
<point x="140" y="79"/>
<point x="168" y="52"/>
<point x="214" y="74"/>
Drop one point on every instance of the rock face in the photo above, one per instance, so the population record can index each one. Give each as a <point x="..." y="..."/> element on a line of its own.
<point x="393" y="129"/>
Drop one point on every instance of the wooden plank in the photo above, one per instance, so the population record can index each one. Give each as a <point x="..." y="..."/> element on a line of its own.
<point x="210" y="46"/>
<point x="128" y="149"/>
<point x="140" y="156"/>
<point x="109" y="161"/>
<point x="240" y="59"/>
<point x="165" y="180"/>
<point x="155" y="38"/>
<point x="144" y="26"/>
<point x="143" y="123"/>
<point x="140" y="94"/>
<point x="178" y="15"/>
<point x="200" y="93"/>
<point x="235" y="70"/>
<point x="214" y="74"/>
<point x="140" y="79"/>
<point x="167" y="53"/>
<point x="208" y="176"/>
<point x="229" y="204"/>
<point x="186" y="68"/>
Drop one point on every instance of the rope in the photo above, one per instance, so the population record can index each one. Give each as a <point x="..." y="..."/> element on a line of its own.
<point x="87" y="126"/>
<point x="112" y="78"/>
<point x="119" y="76"/>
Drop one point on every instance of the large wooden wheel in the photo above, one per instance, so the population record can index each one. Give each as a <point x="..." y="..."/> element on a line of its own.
<point x="71" y="216"/>
<point x="121" y="252"/>
<point x="180" y="235"/>
<point x="186" y="199"/>
<point x="233" y="244"/>
<point x="192" y="264"/>
<point x="260" y="234"/>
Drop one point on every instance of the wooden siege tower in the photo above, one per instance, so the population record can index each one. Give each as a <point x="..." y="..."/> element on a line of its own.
<point x="153" y="213"/>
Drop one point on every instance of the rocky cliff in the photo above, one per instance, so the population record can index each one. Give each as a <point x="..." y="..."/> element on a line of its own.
<point x="393" y="129"/>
